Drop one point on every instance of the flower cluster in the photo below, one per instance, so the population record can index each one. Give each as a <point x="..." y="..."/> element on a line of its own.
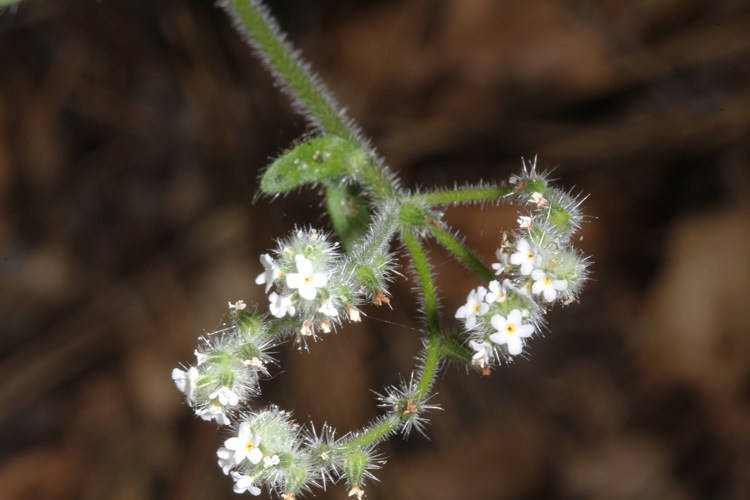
<point x="314" y="286"/>
<point x="266" y="448"/>
<point x="228" y="365"/>
<point x="537" y="267"/>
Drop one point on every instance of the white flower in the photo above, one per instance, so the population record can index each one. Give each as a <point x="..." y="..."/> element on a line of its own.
<point x="547" y="284"/>
<point x="226" y="459"/>
<point x="328" y="309"/>
<point x="244" y="483"/>
<point x="510" y="331"/>
<point x="270" y="461"/>
<point x="239" y="306"/>
<point x="483" y="353"/>
<point x="271" y="272"/>
<point x="280" y="306"/>
<point x="202" y="357"/>
<point x="245" y="445"/>
<point x="185" y="382"/>
<point x="474" y="306"/>
<point x="226" y="396"/>
<point x="497" y="291"/>
<point x="214" y="412"/>
<point x="527" y="256"/>
<point x="305" y="280"/>
<point x="353" y="314"/>
<point x="501" y="266"/>
<point x="538" y="199"/>
<point x="524" y="222"/>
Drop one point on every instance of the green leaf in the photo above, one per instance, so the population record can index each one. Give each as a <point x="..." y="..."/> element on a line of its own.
<point x="349" y="212"/>
<point x="314" y="160"/>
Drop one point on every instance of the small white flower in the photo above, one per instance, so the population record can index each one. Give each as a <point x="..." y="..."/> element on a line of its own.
<point x="524" y="222"/>
<point x="353" y="314"/>
<point x="202" y="357"/>
<point x="306" y="329"/>
<point x="474" y="306"/>
<point x="253" y="362"/>
<point x="271" y="272"/>
<point x="185" y="382"/>
<point x="483" y="353"/>
<point x="305" y="280"/>
<point x="510" y="331"/>
<point x="547" y="284"/>
<point x="226" y="459"/>
<point x="239" y="306"/>
<point x="226" y="396"/>
<point x="281" y="306"/>
<point x="244" y="483"/>
<point x="326" y="326"/>
<point x="214" y="411"/>
<point x="538" y="199"/>
<point x="501" y="266"/>
<point x="527" y="256"/>
<point x="327" y="308"/>
<point x="498" y="292"/>
<point x="270" y="461"/>
<point x="245" y="445"/>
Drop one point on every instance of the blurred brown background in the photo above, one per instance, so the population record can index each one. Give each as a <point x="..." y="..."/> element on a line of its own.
<point x="132" y="133"/>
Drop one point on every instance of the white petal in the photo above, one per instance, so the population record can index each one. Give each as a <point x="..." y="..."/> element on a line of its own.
<point x="527" y="267"/>
<point x="515" y="345"/>
<point x="304" y="266"/>
<point x="498" y="322"/>
<point x="307" y="291"/>
<point x="549" y="294"/>
<point x="461" y="313"/>
<point x="295" y="280"/>
<point x="471" y="321"/>
<point x="560" y="284"/>
<point x="515" y="317"/>
<point x="538" y="274"/>
<point x="320" y="280"/>
<point x="255" y="455"/>
<point x="499" y="338"/>
<point x="525" y="330"/>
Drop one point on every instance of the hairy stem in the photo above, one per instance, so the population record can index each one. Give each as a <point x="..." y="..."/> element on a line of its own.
<point x="464" y="195"/>
<point x="455" y="246"/>
<point x="279" y="56"/>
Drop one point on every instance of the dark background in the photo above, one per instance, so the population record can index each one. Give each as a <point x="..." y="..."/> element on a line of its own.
<point x="132" y="133"/>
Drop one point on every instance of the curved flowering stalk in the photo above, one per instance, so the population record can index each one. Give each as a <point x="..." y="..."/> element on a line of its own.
<point x="315" y="284"/>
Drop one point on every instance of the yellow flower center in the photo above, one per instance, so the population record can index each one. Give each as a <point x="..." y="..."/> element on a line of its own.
<point x="475" y="308"/>
<point x="308" y="280"/>
<point x="547" y="280"/>
<point x="510" y="329"/>
<point x="530" y="256"/>
<point x="249" y="445"/>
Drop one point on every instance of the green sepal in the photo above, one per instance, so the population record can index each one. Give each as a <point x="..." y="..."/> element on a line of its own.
<point x="349" y="212"/>
<point x="314" y="160"/>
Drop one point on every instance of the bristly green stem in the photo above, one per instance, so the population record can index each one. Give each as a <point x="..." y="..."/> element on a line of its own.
<point x="270" y="42"/>
<point x="310" y="92"/>
<point x="431" y="310"/>
<point x="455" y="246"/>
<point x="462" y="195"/>
<point x="432" y="354"/>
